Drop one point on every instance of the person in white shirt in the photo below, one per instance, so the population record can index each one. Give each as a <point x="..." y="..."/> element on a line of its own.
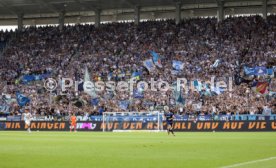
<point x="27" y="119"/>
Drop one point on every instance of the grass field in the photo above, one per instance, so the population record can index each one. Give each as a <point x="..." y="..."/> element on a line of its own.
<point x="97" y="150"/>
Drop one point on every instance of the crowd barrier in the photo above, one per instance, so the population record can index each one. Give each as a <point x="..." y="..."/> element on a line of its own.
<point x="179" y="126"/>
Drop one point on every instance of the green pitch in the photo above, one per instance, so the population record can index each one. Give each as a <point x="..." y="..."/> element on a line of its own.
<point x="141" y="150"/>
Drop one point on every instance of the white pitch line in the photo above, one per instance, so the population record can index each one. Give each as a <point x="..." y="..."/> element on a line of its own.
<point x="250" y="162"/>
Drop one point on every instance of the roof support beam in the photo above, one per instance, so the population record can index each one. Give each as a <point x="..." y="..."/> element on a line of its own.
<point x="264" y="9"/>
<point x="20" y="18"/>
<point x="177" y="13"/>
<point x="220" y="11"/>
<point x="136" y="15"/>
<point x="97" y="18"/>
<point x="61" y="20"/>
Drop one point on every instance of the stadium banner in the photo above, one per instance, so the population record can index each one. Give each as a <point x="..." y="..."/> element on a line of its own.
<point x="271" y="117"/>
<point x="179" y="126"/>
<point x="29" y="78"/>
<point x="48" y="126"/>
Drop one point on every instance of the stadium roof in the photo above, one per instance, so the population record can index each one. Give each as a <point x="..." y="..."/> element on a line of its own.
<point x="33" y="9"/>
<point x="53" y="6"/>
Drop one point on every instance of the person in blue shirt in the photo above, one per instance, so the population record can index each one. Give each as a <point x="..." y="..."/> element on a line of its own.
<point x="169" y="120"/>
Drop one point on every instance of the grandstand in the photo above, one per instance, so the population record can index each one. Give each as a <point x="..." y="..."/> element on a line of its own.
<point x="120" y="73"/>
<point x="218" y="38"/>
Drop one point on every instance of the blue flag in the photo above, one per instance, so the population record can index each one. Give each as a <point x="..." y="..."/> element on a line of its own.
<point x="198" y="85"/>
<point x="217" y="90"/>
<point x="109" y="76"/>
<point x="174" y="72"/>
<point x="29" y="78"/>
<point x="249" y="71"/>
<point x="216" y="63"/>
<point x="270" y="71"/>
<point x="156" y="59"/>
<point x="180" y="100"/>
<point x="123" y="104"/>
<point x="198" y="69"/>
<point x="177" y="95"/>
<point x="149" y="65"/>
<point x="95" y="101"/>
<point x="178" y="65"/>
<point x="260" y="71"/>
<point x="138" y="94"/>
<point x="136" y="75"/>
<point x="21" y="99"/>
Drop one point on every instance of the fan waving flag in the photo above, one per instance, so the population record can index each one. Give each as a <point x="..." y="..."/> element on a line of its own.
<point x="178" y="65"/>
<point x="123" y="104"/>
<point x="260" y="87"/>
<point x="270" y="71"/>
<point x="149" y="65"/>
<point x="95" y="102"/>
<point x="197" y="85"/>
<point x="138" y="94"/>
<point x="89" y="89"/>
<point x="179" y="100"/>
<point x="21" y="99"/>
<point x="156" y="59"/>
<point x="249" y="71"/>
<point x="29" y="78"/>
<point x="260" y="71"/>
<point x="216" y="63"/>
<point x="136" y="75"/>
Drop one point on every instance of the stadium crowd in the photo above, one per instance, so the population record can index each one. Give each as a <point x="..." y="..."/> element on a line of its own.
<point x="117" y="50"/>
